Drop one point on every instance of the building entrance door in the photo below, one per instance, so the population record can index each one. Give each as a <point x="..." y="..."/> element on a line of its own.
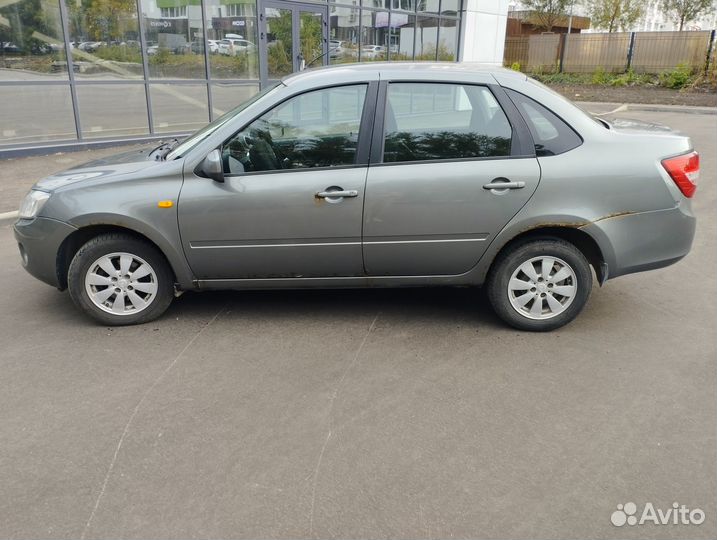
<point x="292" y="36"/>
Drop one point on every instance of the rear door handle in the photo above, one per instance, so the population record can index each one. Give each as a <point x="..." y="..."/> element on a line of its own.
<point x="337" y="194"/>
<point x="504" y="185"/>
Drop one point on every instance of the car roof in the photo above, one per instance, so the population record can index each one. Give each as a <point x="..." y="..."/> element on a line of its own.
<point x="456" y="71"/>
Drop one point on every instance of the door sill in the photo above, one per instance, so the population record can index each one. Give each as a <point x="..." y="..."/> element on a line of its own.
<point x="355" y="282"/>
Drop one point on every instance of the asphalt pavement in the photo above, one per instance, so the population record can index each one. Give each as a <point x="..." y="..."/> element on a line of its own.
<point x="373" y="414"/>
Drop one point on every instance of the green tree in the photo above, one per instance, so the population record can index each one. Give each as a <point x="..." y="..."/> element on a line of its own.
<point x="279" y="49"/>
<point x="25" y="18"/>
<point x="546" y="13"/>
<point x="310" y="38"/>
<point x="684" y="11"/>
<point x="108" y="19"/>
<point x="613" y="15"/>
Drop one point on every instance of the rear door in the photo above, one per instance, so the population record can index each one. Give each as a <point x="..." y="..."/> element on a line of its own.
<point x="449" y="170"/>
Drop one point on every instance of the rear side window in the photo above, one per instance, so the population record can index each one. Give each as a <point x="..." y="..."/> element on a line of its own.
<point x="436" y="121"/>
<point x="550" y="134"/>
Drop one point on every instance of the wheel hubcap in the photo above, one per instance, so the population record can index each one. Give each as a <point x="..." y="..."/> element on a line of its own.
<point x="121" y="283"/>
<point x="542" y="287"/>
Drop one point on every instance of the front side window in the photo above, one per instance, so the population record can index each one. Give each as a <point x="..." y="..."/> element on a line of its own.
<point x="427" y="121"/>
<point x="316" y="129"/>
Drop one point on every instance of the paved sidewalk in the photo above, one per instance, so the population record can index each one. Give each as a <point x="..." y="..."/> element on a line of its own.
<point x="602" y="106"/>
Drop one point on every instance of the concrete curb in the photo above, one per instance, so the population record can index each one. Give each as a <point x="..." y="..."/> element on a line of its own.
<point x="8" y="217"/>
<point x="651" y="107"/>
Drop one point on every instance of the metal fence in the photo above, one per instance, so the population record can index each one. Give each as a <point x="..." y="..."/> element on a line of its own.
<point x="644" y="52"/>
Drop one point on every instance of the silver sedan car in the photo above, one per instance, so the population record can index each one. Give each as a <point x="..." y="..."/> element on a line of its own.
<point x="377" y="175"/>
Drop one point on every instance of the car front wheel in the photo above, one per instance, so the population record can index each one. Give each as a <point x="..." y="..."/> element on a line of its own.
<point x="539" y="285"/>
<point x="120" y="280"/>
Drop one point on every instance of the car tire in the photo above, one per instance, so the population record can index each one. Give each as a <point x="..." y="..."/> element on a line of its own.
<point x="525" y="299"/>
<point x="119" y="280"/>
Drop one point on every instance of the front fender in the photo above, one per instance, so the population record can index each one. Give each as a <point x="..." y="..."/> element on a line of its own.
<point x="163" y="232"/>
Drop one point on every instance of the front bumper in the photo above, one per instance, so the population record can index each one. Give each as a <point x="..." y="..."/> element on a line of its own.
<point x="39" y="241"/>
<point x="645" y="240"/>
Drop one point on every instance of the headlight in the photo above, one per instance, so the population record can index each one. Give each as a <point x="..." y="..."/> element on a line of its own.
<point x="32" y="203"/>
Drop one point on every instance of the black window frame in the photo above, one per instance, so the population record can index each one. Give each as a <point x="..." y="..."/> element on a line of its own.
<point x="363" y="144"/>
<point x="522" y="145"/>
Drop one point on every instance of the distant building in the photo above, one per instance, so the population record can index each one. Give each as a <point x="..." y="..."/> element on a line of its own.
<point x="525" y="22"/>
<point x="655" y="20"/>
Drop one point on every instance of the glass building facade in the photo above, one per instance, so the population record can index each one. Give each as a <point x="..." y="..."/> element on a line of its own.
<point x="98" y="70"/>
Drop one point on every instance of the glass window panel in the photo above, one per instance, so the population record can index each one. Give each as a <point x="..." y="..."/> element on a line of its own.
<point x="179" y="107"/>
<point x="449" y="7"/>
<point x="112" y="110"/>
<point x="373" y="3"/>
<point x="402" y="31"/>
<point x="316" y="129"/>
<point x="225" y="97"/>
<point x="233" y="38"/>
<point x="374" y="36"/>
<point x="430" y="6"/>
<point x="32" y="45"/>
<point x="38" y="113"/>
<point x="448" y="39"/>
<point x="426" y="38"/>
<point x="280" y="49"/>
<point x="311" y="39"/>
<point x="343" y="34"/>
<point x="444" y="121"/>
<point x="551" y="135"/>
<point x="106" y="39"/>
<point x="404" y="5"/>
<point x="174" y="39"/>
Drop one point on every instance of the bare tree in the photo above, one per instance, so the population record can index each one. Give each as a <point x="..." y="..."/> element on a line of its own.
<point x="613" y="15"/>
<point x="683" y="11"/>
<point x="546" y="13"/>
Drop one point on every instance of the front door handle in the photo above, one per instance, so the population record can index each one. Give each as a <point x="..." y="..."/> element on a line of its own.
<point x="504" y="185"/>
<point x="337" y="194"/>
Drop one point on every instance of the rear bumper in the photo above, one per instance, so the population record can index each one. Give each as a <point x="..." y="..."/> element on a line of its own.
<point x="39" y="241"/>
<point x="644" y="241"/>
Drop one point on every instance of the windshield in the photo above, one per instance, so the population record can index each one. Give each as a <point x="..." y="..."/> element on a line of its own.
<point x="207" y="130"/>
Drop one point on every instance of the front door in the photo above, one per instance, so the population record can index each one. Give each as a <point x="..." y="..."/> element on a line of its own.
<point x="292" y="198"/>
<point x="292" y="37"/>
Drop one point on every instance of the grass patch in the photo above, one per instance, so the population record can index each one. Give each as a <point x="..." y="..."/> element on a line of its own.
<point x="681" y="77"/>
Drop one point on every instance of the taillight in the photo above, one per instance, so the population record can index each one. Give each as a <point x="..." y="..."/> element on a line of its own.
<point x="685" y="171"/>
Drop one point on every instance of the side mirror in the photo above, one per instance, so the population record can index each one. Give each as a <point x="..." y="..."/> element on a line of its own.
<point x="212" y="166"/>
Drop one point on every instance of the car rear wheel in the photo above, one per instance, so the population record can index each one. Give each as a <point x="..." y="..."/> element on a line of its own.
<point x="539" y="285"/>
<point x="120" y="280"/>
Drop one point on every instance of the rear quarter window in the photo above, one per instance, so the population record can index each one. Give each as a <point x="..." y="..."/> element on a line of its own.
<point x="551" y="135"/>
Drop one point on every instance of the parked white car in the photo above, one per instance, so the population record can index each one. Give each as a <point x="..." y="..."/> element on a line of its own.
<point x="372" y="52"/>
<point x="90" y="46"/>
<point x="230" y="47"/>
<point x="341" y="49"/>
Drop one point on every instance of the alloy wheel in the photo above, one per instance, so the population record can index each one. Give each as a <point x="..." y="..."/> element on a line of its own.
<point x="542" y="287"/>
<point x="121" y="283"/>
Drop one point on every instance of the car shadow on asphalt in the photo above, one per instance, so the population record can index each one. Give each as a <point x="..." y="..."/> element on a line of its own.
<point x="441" y="304"/>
